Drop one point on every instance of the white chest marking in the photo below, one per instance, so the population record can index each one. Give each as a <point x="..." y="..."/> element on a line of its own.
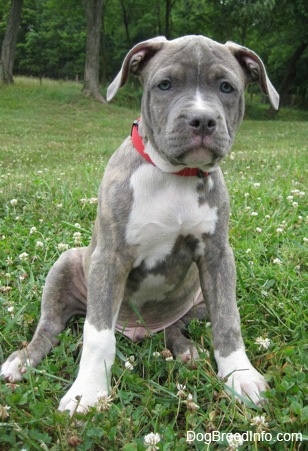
<point x="164" y="207"/>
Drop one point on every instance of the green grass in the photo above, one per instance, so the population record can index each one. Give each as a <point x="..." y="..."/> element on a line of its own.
<point x="54" y="146"/>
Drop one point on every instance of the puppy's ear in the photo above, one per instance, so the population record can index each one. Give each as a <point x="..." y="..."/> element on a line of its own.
<point x="255" y="70"/>
<point x="132" y="62"/>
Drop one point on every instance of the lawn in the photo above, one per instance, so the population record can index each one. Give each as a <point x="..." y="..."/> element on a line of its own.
<point x="54" y="145"/>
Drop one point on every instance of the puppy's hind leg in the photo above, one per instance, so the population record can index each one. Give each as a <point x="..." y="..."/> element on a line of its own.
<point x="64" y="296"/>
<point x="177" y="342"/>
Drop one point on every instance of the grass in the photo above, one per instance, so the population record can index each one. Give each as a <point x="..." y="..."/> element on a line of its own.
<point x="53" y="149"/>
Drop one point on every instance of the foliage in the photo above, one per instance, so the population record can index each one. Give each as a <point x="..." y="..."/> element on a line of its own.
<point x="52" y="34"/>
<point x="54" y="147"/>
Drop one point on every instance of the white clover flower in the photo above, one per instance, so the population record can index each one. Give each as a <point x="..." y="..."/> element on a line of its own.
<point x="104" y="403"/>
<point x="77" y="225"/>
<point x="234" y="441"/>
<point x="279" y="230"/>
<point x="258" y="229"/>
<point x="191" y="405"/>
<point x="181" y="390"/>
<point x="59" y="205"/>
<point x="263" y="342"/>
<point x="62" y="247"/>
<point x="11" y="309"/>
<point x="156" y="354"/>
<point x="4" y="414"/>
<point x="151" y="441"/>
<point x="23" y="256"/>
<point x="290" y="198"/>
<point x="39" y="244"/>
<point x="267" y="217"/>
<point x="256" y="185"/>
<point x="294" y="204"/>
<point x="13" y="202"/>
<point x="93" y="200"/>
<point x="33" y="230"/>
<point x="246" y="194"/>
<point x="259" y="422"/>
<point x="277" y="261"/>
<point x="254" y="213"/>
<point x="305" y="240"/>
<point x="169" y="359"/>
<point x="9" y="261"/>
<point x="128" y="365"/>
<point x="77" y="237"/>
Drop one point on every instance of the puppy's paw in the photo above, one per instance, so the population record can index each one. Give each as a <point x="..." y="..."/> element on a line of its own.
<point x="189" y="356"/>
<point x="239" y="375"/>
<point x="248" y="383"/>
<point x="14" y="367"/>
<point x="82" y="395"/>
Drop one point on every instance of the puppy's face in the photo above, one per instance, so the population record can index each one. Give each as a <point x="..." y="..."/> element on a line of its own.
<point x="193" y="102"/>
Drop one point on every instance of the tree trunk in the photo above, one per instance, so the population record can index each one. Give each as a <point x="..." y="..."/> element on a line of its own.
<point x="168" y="18"/>
<point x="290" y="72"/>
<point x="93" y="11"/>
<point x="126" y="23"/>
<point x="9" y="43"/>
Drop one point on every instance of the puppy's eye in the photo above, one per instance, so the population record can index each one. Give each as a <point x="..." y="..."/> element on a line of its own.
<point x="165" y="85"/>
<point x="226" y="88"/>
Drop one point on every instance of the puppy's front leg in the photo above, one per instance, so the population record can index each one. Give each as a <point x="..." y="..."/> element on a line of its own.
<point x="107" y="277"/>
<point x="218" y="280"/>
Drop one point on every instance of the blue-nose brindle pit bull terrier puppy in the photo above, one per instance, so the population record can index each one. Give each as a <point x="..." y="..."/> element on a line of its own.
<point x="160" y="242"/>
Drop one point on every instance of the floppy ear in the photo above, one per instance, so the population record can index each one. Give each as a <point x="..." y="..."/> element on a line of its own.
<point x="131" y="64"/>
<point x="255" y="70"/>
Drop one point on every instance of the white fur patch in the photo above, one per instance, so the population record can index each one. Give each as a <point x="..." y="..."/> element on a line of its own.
<point x="199" y="103"/>
<point x="164" y="207"/>
<point x="241" y="376"/>
<point x="93" y="380"/>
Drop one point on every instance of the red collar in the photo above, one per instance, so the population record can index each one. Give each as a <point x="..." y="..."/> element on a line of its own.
<point x="139" y="146"/>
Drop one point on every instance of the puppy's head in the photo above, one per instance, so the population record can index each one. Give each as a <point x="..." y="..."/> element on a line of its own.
<point x="193" y="100"/>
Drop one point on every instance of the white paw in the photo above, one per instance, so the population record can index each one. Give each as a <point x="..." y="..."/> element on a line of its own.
<point x="241" y="376"/>
<point x="248" y="383"/>
<point x="82" y="395"/>
<point x="13" y="369"/>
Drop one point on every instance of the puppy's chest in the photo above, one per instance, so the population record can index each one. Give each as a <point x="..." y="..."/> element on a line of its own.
<point x="165" y="207"/>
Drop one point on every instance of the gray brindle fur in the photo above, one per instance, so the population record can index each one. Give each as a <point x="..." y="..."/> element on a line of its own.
<point x="160" y="241"/>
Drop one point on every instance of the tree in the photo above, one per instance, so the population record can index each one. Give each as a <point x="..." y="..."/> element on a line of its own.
<point x="9" y="42"/>
<point x="93" y="11"/>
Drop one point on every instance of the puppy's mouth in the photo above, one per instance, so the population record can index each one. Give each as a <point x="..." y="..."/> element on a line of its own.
<point x="199" y="153"/>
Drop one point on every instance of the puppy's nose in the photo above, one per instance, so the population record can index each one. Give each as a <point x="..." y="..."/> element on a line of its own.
<point x="202" y="123"/>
